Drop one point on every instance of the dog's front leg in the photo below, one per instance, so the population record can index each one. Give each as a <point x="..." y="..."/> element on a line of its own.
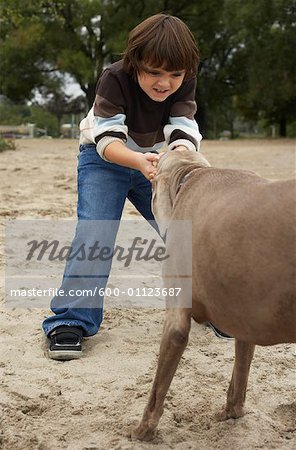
<point x="237" y="389"/>
<point x="173" y="342"/>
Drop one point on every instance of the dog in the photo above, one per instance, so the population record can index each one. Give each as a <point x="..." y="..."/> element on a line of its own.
<point x="243" y="267"/>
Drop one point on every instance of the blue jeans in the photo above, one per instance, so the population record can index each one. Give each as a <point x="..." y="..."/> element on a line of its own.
<point x="102" y="190"/>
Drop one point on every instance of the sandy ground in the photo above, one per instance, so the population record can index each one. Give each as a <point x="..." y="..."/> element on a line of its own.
<point x="87" y="404"/>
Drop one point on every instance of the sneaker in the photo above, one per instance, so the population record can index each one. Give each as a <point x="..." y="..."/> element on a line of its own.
<point x="220" y="334"/>
<point x="65" y="343"/>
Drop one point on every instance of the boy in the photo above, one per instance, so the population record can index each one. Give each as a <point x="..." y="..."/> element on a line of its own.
<point x="143" y="101"/>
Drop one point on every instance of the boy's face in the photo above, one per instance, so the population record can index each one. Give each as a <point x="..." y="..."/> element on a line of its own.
<point x="159" y="84"/>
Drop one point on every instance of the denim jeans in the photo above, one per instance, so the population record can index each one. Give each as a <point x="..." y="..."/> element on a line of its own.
<point x="102" y="190"/>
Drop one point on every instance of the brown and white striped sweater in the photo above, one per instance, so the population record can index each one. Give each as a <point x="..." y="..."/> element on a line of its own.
<point x="123" y="111"/>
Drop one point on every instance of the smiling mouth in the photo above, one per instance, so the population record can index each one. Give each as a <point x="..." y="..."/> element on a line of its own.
<point x="161" y="91"/>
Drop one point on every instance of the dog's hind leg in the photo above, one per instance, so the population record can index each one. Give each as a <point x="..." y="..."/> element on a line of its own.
<point x="173" y="343"/>
<point x="238" y="385"/>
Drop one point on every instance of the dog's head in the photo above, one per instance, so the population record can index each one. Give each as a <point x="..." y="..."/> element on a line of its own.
<point x="171" y="163"/>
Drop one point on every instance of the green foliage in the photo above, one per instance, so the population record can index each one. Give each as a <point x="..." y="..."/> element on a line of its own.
<point x="269" y="37"/>
<point x="11" y="114"/>
<point x="291" y="130"/>
<point x="39" y="39"/>
<point x="246" y="50"/>
<point x="44" y="120"/>
<point x="6" y="144"/>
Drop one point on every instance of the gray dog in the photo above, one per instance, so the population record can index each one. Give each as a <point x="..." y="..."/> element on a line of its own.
<point x="243" y="267"/>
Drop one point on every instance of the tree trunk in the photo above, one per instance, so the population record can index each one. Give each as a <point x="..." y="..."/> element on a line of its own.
<point x="231" y="125"/>
<point x="283" y="127"/>
<point x="90" y="94"/>
<point x="201" y="118"/>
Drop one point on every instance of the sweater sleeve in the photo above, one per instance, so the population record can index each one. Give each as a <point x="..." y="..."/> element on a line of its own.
<point x="182" y="128"/>
<point x="105" y="121"/>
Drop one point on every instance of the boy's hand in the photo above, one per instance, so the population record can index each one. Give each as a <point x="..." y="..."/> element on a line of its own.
<point x="148" y="164"/>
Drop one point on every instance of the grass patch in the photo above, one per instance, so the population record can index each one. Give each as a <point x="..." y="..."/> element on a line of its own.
<point x="7" y="144"/>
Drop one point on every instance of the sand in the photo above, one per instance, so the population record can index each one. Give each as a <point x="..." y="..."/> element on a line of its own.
<point x="87" y="404"/>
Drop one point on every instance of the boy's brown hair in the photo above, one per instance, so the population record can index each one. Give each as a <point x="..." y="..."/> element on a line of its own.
<point x="161" y="41"/>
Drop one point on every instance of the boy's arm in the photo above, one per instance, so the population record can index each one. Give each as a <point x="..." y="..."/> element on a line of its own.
<point x="182" y="129"/>
<point x="116" y="152"/>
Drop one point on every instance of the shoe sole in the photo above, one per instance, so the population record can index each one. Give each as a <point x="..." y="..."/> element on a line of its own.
<point x="217" y="334"/>
<point x="64" y="355"/>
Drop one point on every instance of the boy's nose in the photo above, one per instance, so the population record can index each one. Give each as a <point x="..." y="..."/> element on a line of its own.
<point x="164" y="83"/>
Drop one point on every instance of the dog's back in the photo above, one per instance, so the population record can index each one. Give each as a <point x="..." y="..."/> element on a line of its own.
<point x="244" y="248"/>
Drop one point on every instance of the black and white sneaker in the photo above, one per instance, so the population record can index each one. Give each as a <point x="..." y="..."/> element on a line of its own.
<point x="65" y="343"/>
<point x="220" y="334"/>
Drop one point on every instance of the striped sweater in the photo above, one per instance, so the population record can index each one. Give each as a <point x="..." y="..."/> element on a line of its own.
<point x="123" y="111"/>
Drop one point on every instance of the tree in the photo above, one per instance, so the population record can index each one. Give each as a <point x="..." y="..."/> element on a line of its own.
<point x="269" y="37"/>
<point x="40" y="40"/>
<point x="245" y="45"/>
<point x="16" y="114"/>
<point x="59" y="104"/>
<point x="23" y="59"/>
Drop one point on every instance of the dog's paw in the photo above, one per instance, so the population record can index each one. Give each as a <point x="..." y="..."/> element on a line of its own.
<point x="229" y="413"/>
<point x="127" y="429"/>
<point x="140" y="432"/>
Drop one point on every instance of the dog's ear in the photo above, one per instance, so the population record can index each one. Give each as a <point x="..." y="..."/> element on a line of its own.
<point x="161" y="201"/>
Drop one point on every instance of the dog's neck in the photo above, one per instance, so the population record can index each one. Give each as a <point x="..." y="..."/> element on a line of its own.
<point x="179" y="178"/>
